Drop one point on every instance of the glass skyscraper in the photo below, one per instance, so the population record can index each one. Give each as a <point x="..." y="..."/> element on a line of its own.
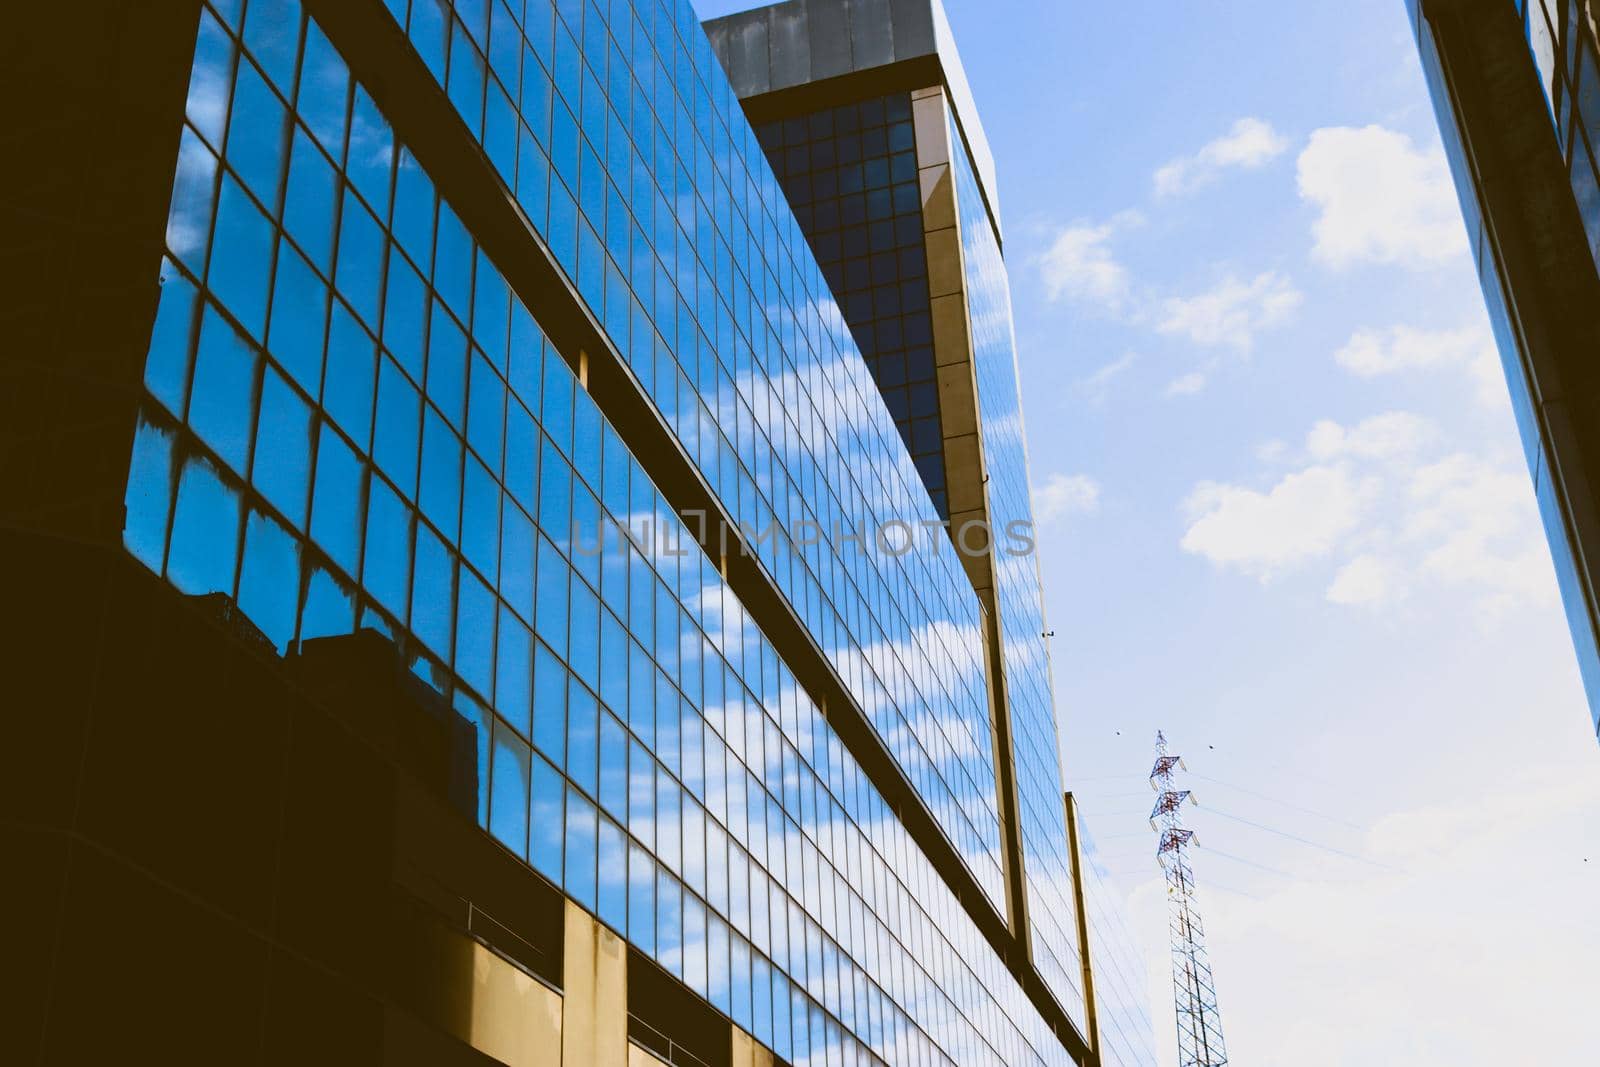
<point x="488" y="539"/>
<point x="1516" y="88"/>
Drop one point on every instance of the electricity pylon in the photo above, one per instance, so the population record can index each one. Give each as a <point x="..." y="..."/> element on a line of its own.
<point x="1195" y="992"/>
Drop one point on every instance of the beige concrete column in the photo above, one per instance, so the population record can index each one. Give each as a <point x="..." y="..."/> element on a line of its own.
<point x="748" y="1052"/>
<point x="594" y="974"/>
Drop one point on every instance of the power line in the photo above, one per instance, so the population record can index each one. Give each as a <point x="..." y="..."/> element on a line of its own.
<point x="1248" y="863"/>
<point x="1282" y="803"/>
<point x="1302" y="840"/>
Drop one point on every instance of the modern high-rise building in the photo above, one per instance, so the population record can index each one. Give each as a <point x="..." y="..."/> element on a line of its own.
<point x="500" y="568"/>
<point x="1516" y="88"/>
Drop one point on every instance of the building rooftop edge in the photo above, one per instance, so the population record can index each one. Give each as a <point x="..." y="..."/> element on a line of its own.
<point x="783" y="46"/>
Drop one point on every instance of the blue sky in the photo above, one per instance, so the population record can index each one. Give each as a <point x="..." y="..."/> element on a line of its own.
<point x="1287" y="519"/>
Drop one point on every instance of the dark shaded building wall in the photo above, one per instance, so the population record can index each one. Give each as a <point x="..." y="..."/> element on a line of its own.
<point x="850" y="173"/>
<point x="226" y="854"/>
<point x="1518" y="103"/>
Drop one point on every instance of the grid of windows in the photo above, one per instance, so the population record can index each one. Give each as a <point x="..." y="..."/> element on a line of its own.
<point x="1127" y="1036"/>
<point x="1041" y="816"/>
<point x="351" y="422"/>
<point x="1562" y="35"/>
<point x="616" y="129"/>
<point x="850" y="173"/>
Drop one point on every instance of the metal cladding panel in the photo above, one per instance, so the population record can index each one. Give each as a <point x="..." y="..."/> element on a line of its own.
<point x="745" y="54"/>
<point x="913" y="28"/>
<point x="828" y="30"/>
<point x="872" y="34"/>
<point x="789" y="47"/>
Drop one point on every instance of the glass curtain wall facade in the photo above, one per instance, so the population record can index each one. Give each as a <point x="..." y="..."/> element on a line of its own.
<point x="635" y="165"/>
<point x="351" y="421"/>
<point x="1516" y="89"/>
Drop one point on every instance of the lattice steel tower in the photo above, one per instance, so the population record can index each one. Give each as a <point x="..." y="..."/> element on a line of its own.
<point x="1199" y="1022"/>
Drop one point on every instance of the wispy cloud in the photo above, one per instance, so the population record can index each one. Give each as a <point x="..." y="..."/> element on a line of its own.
<point x="1063" y="495"/>
<point x="1250" y="143"/>
<point x="1096" y="385"/>
<point x="1379" y="199"/>
<point x="1079" y="264"/>
<point x="1405" y="349"/>
<point x="1232" y="312"/>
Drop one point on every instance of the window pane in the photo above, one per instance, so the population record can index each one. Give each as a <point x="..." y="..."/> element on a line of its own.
<point x="386" y="568"/>
<point x="282" y="470"/>
<point x="166" y="368"/>
<point x="211" y="81"/>
<point x="480" y="520"/>
<point x="272" y="34"/>
<point x="414" y="208"/>
<point x="193" y="190"/>
<point x="481" y="723"/>
<point x="149" y="495"/>
<point x="439" y="491"/>
<point x="550" y="705"/>
<point x="336" y="508"/>
<point x="475" y="619"/>
<point x="352" y="362"/>
<point x="299" y="315"/>
<point x="360" y="270"/>
<point x="548" y="820"/>
<point x="394" y="439"/>
<point x="241" y="261"/>
<point x="324" y="91"/>
<point x="452" y="265"/>
<point x="581" y="858"/>
<point x="447" y="365"/>
<point x="269" y="580"/>
<point x="613" y="863"/>
<point x="433" y="595"/>
<point x="256" y="135"/>
<point x="486" y="417"/>
<point x="311" y="202"/>
<point x="224" y="377"/>
<point x="516" y="558"/>
<point x="205" y="531"/>
<point x="329" y="609"/>
<point x="405" y="315"/>
<point x="371" y="151"/>
<point x="509" y="798"/>
<point x="583" y="737"/>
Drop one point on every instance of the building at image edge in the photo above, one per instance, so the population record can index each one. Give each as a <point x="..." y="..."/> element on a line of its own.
<point x="1516" y="89"/>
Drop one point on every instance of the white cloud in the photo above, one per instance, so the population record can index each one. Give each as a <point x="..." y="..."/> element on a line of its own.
<point x="1249" y="144"/>
<point x="1391" y="435"/>
<point x="1402" y="349"/>
<point x="1303" y="517"/>
<point x="1062" y="495"/>
<point x="1389" y="509"/>
<point x="1472" y="519"/>
<point x="1080" y="266"/>
<point x="1232" y="312"/>
<point x="1379" y="199"/>
<point x="1365" y="580"/>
